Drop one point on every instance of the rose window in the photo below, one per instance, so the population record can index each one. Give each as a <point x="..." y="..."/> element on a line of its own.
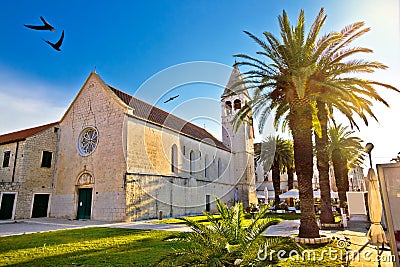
<point x="88" y="140"/>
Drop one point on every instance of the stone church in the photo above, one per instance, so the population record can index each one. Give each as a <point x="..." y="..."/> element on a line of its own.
<point x="114" y="157"/>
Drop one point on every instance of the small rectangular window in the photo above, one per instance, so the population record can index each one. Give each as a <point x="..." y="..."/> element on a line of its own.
<point x="6" y="159"/>
<point x="46" y="159"/>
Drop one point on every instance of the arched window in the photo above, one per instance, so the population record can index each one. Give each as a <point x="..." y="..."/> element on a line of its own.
<point x="237" y="104"/>
<point x="206" y="166"/>
<point x="228" y="108"/>
<point x="191" y="159"/>
<point x="219" y="168"/>
<point x="174" y="159"/>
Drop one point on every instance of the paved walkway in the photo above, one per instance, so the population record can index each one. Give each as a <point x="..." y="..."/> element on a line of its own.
<point x="28" y="226"/>
<point x="290" y="228"/>
<point x="356" y="233"/>
<point x="38" y="225"/>
<point x="354" y="238"/>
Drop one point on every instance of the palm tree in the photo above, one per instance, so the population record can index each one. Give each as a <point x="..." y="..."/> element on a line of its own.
<point x="345" y="151"/>
<point x="225" y="241"/>
<point x="305" y="77"/>
<point x="276" y="154"/>
<point x="282" y="86"/>
<point x="347" y="95"/>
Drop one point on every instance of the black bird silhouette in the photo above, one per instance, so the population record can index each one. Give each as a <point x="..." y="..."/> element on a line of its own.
<point x="45" y="27"/>
<point x="171" y="98"/>
<point x="57" y="45"/>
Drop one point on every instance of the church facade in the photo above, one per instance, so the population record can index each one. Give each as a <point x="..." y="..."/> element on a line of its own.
<point x="115" y="157"/>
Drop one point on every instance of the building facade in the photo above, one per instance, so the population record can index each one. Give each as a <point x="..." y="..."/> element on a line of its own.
<point x="27" y="171"/>
<point x="117" y="158"/>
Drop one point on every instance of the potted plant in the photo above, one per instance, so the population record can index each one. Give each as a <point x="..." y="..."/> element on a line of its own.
<point x="281" y="207"/>
<point x="297" y="206"/>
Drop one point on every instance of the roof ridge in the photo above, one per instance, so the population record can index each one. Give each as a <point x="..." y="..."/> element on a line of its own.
<point x="25" y="133"/>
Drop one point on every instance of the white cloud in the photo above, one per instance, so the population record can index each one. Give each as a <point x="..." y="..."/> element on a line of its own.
<point x="20" y="113"/>
<point x="27" y="103"/>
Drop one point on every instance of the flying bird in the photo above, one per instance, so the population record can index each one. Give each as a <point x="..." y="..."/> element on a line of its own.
<point x="171" y="98"/>
<point x="45" y="27"/>
<point x="57" y="45"/>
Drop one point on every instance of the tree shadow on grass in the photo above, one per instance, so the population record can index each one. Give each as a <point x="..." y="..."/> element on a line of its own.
<point x="59" y="237"/>
<point x="141" y="248"/>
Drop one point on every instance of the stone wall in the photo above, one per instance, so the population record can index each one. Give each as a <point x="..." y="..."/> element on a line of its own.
<point x="149" y="151"/>
<point x="7" y="173"/>
<point x="147" y="195"/>
<point x="151" y="183"/>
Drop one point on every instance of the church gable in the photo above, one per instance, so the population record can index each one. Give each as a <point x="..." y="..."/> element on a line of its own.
<point x="94" y="91"/>
<point x="92" y="127"/>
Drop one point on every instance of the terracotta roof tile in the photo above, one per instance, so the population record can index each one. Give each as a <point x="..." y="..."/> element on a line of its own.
<point x="158" y="116"/>
<point x="23" y="134"/>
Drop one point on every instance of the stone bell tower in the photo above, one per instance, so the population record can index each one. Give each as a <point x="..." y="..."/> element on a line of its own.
<point x="239" y="139"/>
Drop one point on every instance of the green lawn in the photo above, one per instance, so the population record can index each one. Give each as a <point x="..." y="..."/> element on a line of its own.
<point x="87" y="247"/>
<point x="197" y="218"/>
<point x="203" y="218"/>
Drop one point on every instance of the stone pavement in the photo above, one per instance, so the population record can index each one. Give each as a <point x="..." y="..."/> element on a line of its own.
<point x="363" y="253"/>
<point x="289" y="228"/>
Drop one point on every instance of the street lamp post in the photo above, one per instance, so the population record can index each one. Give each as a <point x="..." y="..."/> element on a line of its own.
<point x="368" y="149"/>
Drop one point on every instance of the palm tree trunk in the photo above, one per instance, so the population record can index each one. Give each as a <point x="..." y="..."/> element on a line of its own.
<point x="340" y="169"/>
<point x="323" y="165"/>
<point x="301" y="126"/>
<point x="290" y="180"/>
<point x="276" y="181"/>
<point x="346" y="185"/>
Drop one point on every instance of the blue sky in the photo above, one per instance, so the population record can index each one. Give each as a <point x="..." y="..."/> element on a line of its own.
<point x="131" y="41"/>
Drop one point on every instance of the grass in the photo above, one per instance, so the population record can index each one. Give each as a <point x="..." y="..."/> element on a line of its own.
<point x="285" y="216"/>
<point x="203" y="218"/>
<point x="112" y="247"/>
<point x="197" y="218"/>
<point x="311" y="255"/>
<point x="87" y="247"/>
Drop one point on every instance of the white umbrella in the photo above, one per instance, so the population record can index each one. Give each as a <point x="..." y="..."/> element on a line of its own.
<point x="375" y="233"/>
<point x="260" y="196"/>
<point x="292" y="193"/>
<point x="317" y="194"/>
